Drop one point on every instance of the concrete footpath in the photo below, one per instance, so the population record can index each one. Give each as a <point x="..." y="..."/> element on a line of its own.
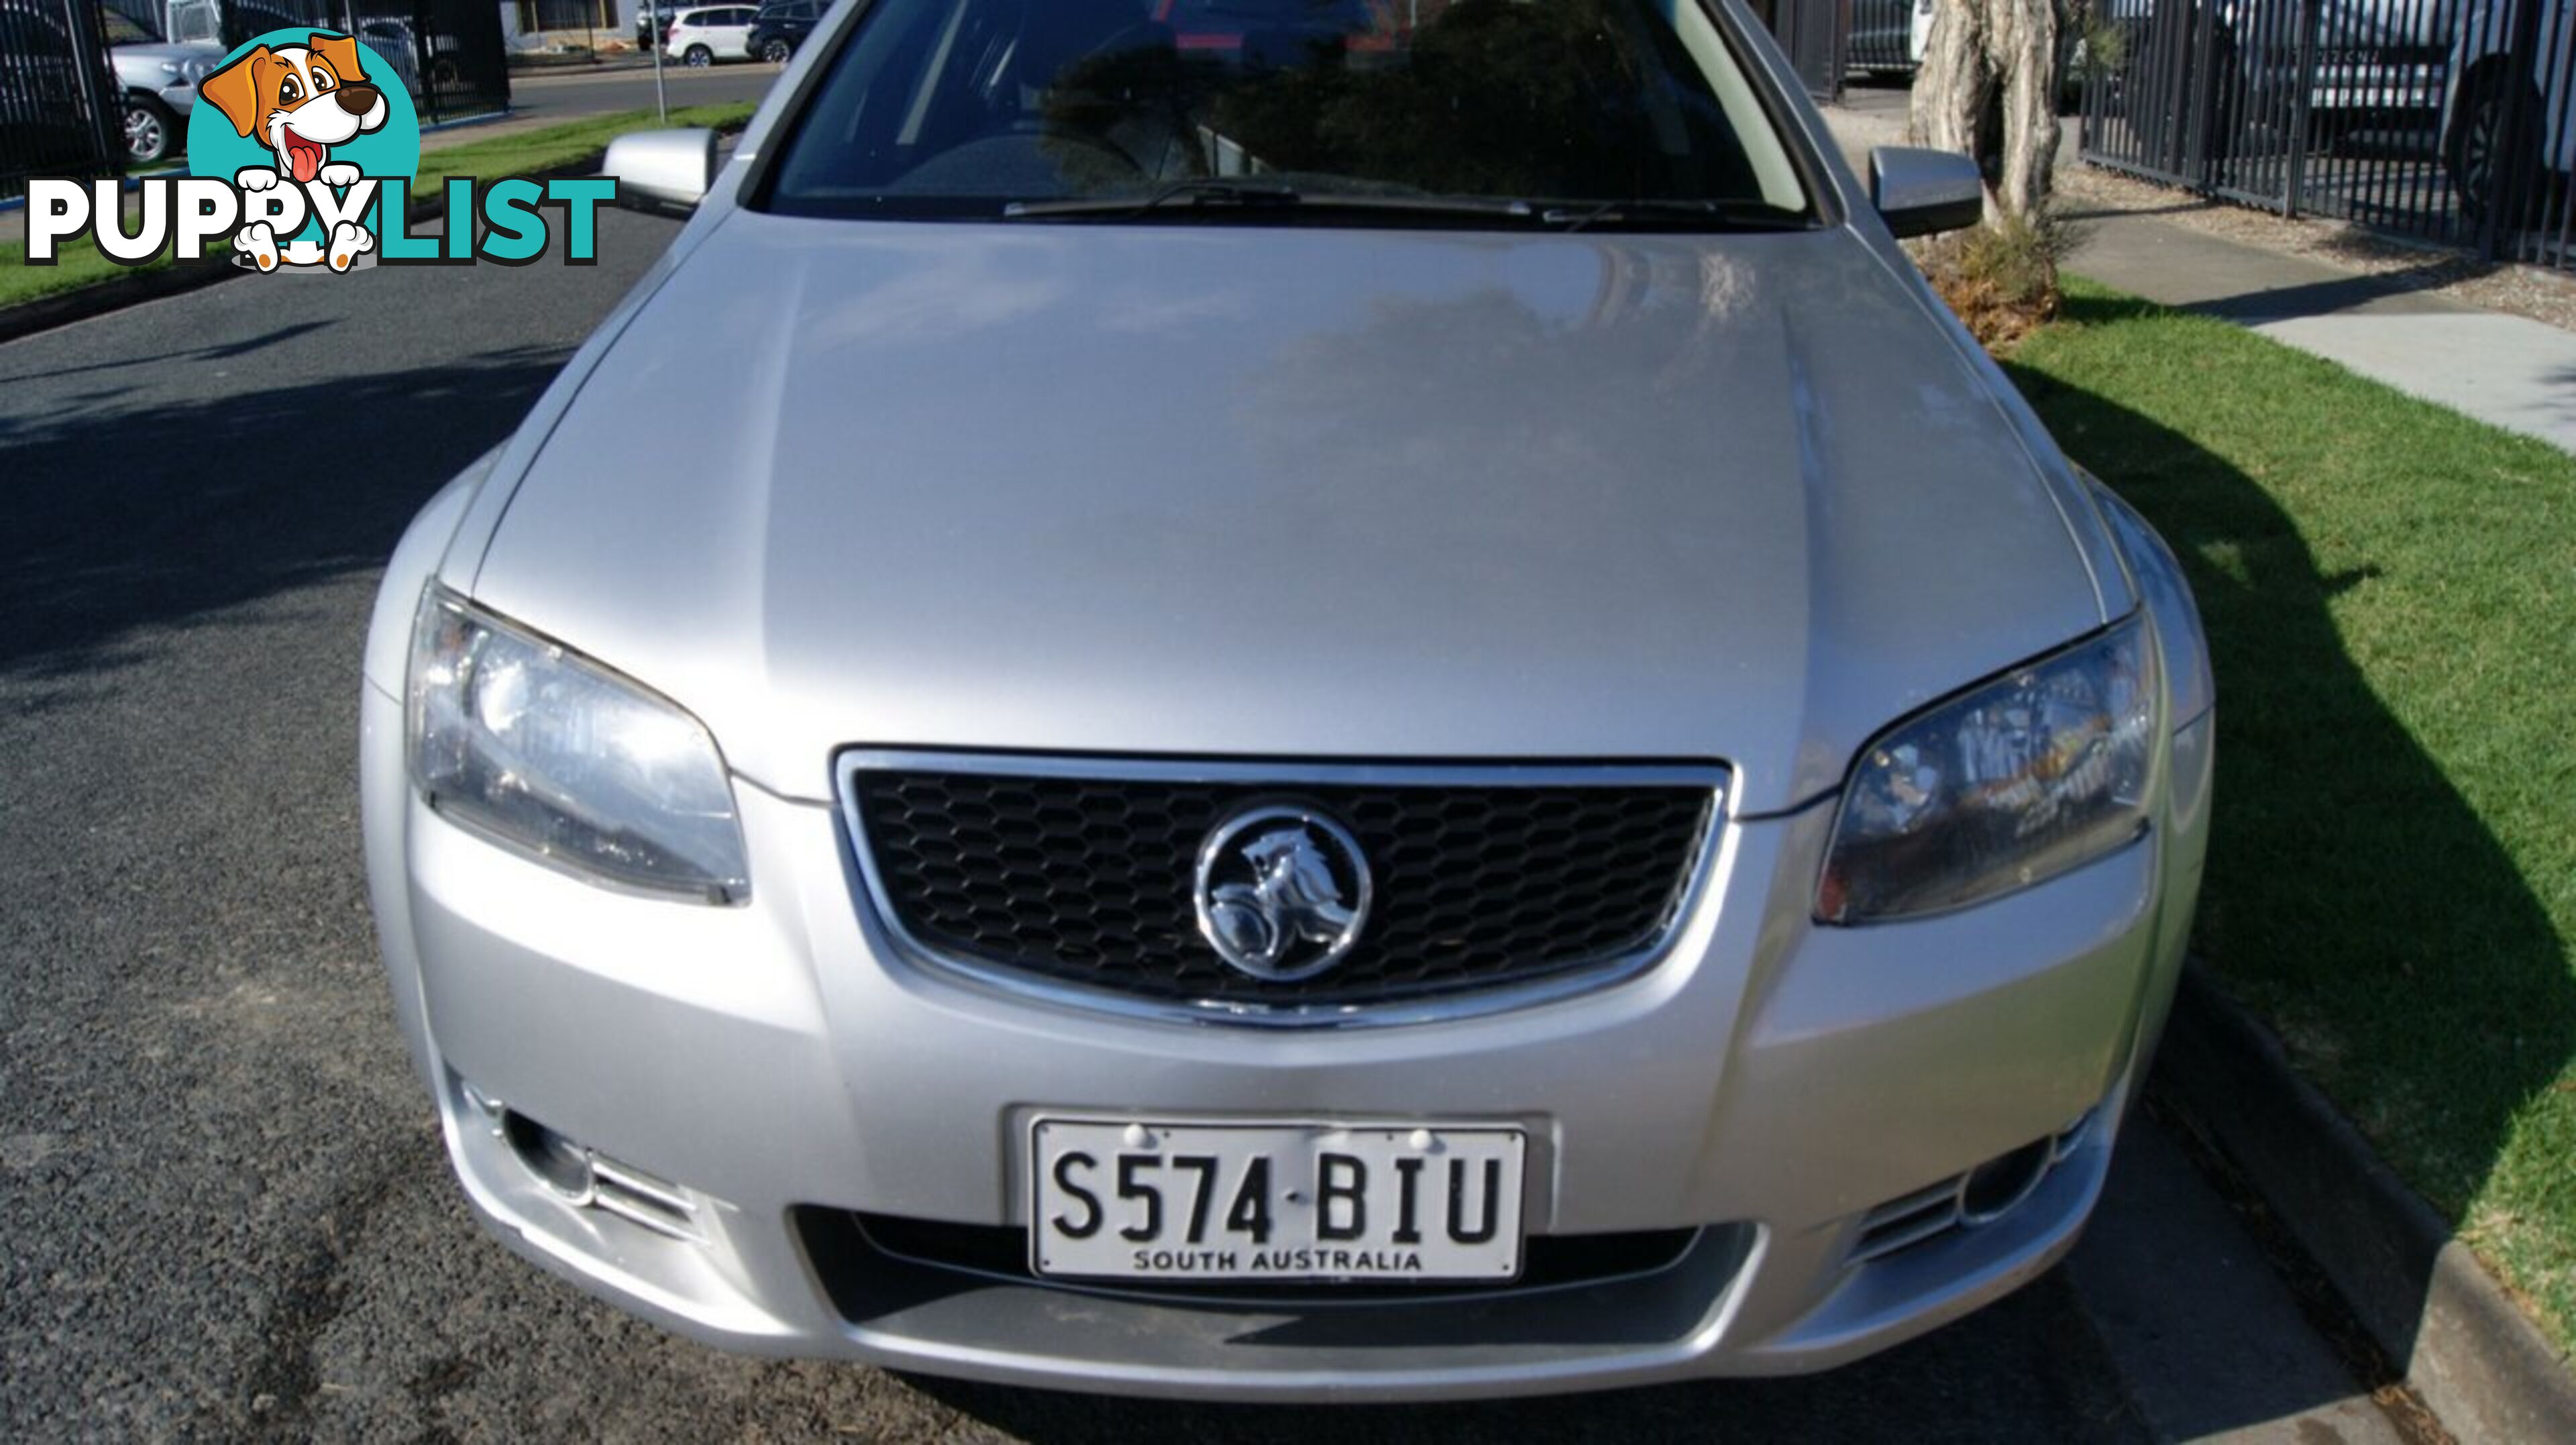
<point x="2511" y="371"/>
<point x="2518" y="373"/>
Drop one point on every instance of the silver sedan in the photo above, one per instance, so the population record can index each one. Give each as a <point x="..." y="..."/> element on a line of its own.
<point x="1320" y="701"/>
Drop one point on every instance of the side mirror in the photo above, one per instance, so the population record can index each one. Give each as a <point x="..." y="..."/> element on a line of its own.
<point x="1923" y="193"/>
<point x="659" y="169"/>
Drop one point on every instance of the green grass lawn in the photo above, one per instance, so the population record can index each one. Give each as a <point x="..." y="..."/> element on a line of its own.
<point x="501" y="155"/>
<point x="2390" y="591"/>
<point x="77" y="264"/>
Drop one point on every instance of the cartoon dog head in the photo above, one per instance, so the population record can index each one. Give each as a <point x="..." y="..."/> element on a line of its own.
<point x="301" y="99"/>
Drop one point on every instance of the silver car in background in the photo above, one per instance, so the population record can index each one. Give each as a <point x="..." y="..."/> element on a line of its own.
<point x="159" y="81"/>
<point x="1336" y="703"/>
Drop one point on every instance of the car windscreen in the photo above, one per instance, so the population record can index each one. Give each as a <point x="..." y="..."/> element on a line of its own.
<point x="962" y="108"/>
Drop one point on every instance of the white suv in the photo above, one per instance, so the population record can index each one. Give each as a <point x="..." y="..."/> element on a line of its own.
<point x="709" y="34"/>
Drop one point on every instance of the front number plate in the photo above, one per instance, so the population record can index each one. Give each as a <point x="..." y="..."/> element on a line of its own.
<point x="1375" y="1203"/>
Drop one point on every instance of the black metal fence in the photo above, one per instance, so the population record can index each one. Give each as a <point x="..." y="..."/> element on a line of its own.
<point x="448" y="52"/>
<point x="2450" y="120"/>
<point x="595" y="15"/>
<point x="1882" y="36"/>
<point x="60" y="108"/>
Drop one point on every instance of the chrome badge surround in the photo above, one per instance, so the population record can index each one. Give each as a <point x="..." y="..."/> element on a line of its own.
<point x="1270" y="891"/>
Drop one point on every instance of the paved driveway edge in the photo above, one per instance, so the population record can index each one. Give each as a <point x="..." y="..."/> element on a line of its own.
<point x="63" y="308"/>
<point x="2461" y="1342"/>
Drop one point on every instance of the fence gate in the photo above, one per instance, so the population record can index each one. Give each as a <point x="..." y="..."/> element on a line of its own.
<point x="61" y="112"/>
<point x="1813" y="33"/>
<point x="1882" y="36"/>
<point x="2451" y="120"/>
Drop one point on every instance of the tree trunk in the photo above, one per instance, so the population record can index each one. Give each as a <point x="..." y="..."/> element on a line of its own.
<point x="1988" y="89"/>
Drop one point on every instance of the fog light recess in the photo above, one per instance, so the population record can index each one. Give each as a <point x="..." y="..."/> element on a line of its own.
<point x="1964" y="1201"/>
<point x="584" y="1178"/>
<point x="560" y="1164"/>
<point x="1994" y="1187"/>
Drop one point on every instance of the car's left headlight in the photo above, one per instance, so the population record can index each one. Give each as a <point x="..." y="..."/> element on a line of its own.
<point x="2014" y="782"/>
<point x="545" y="750"/>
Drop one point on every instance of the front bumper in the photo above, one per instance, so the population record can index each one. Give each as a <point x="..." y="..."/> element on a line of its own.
<point x="1768" y="1084"/>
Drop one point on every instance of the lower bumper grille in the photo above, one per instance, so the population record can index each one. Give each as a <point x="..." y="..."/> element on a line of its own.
<point x="1001" y="1252"/>
<point x="1242" y="1343"/>
<point x="1084" y="872"/>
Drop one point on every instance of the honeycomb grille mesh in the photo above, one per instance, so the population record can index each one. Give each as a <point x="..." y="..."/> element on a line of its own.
<point x="1088" y="880"/>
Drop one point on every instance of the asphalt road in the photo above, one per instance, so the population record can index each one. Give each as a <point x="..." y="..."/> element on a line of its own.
<point x="221" y="1191"/>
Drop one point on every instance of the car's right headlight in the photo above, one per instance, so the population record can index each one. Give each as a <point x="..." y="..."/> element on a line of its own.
<point x="547" y="751"/>
<point x="2038" y="771"/>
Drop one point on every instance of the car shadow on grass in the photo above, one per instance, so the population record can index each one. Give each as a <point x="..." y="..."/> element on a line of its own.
<point x="2355" y="896"/>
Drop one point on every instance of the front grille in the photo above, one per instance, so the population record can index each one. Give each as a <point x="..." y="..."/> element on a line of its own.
<point x="1088" y="879"/>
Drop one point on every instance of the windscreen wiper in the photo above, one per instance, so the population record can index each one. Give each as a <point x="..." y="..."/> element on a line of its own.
<point x="1673" y="214"/>
<point x="1196" y="191"/>
<point x="1208" y="192"/>
<point x="1229" y="193"/>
